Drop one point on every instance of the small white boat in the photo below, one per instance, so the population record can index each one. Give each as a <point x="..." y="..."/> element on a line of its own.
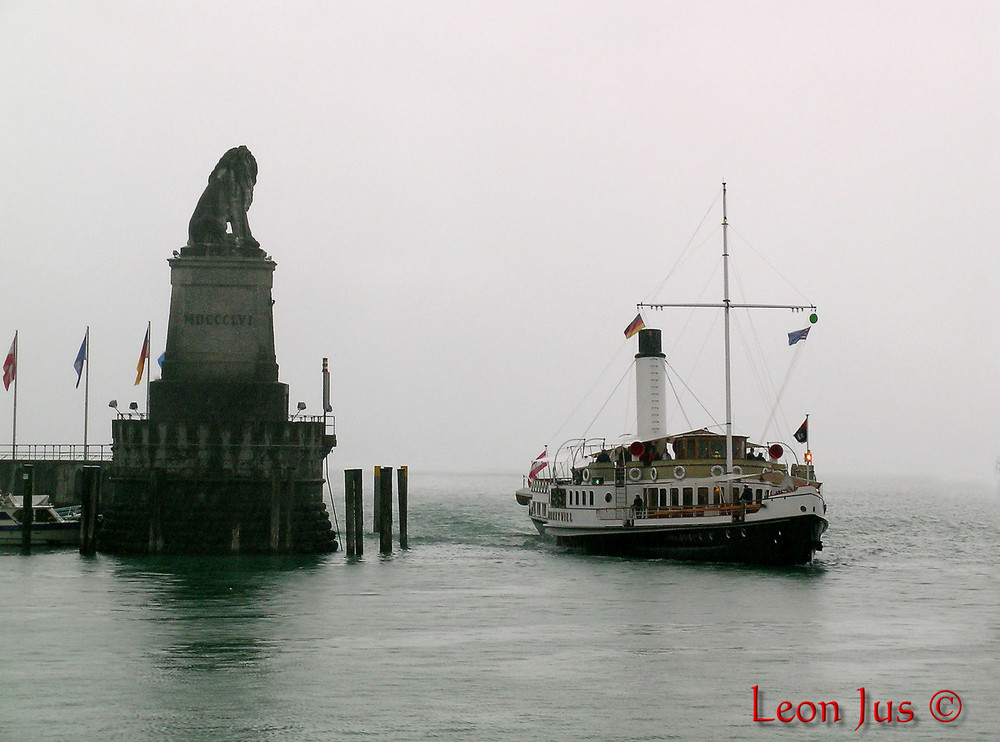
<point x="49" y="526"/>
<point x="698" y="495"/>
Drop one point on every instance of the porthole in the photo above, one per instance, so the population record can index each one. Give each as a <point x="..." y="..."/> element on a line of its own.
<point x="607" y="497"/>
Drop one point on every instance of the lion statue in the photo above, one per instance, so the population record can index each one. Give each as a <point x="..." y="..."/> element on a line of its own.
<point x="226" y="201"/>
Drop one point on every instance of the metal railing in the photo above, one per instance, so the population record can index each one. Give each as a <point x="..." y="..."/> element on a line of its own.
<point x="56" y="452"/>
<point x="102" y="451"/>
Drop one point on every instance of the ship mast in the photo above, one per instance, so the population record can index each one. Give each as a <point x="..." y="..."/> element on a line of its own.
<point x="726" y="303"/>
<point x="726" y="306"/>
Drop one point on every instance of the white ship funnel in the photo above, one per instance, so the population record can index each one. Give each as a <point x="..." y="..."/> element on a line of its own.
<point x="650" y="386"/>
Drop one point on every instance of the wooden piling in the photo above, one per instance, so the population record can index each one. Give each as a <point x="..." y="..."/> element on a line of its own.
<point x="385" y="510"/>
<point x="401" y="495"/>
<point x="90" y="497"/>
<point x="352" y="480"/>
<point x="27" y="506"/>
<point x="376" y="499"/>
<point x="359" y="515"/>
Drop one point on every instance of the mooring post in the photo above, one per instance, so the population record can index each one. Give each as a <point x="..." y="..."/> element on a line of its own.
<point x="27" y="506"/>
<point x="359" y="512"/>
<point x="90" y="496"/>
<point x="376" y="501"/>
<point x="385" y="511"/>
<point x="401" y="475"/>
<point x="349" y="500"/>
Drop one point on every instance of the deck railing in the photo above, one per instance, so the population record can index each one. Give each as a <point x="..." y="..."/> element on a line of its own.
<point x="628" y="513"/>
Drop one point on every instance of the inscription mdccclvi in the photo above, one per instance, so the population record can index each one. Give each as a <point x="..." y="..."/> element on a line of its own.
<point x="228" y="320"/>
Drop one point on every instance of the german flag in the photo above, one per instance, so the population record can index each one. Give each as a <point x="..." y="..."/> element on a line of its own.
<point x="143" y="357"/>
<point x="634" y="326"/>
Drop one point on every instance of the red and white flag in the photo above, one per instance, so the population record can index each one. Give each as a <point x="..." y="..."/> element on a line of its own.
<point x="10" y="364"/>
<point x="538" y="464"/>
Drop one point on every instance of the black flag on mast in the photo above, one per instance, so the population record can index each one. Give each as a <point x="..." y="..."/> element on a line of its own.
<point x="802" y="434"/>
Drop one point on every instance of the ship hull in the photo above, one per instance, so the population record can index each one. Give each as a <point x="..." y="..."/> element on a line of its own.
<point x="784" y="541"/>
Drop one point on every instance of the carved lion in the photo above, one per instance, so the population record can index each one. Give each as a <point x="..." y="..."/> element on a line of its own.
<point x="226" y="201"/>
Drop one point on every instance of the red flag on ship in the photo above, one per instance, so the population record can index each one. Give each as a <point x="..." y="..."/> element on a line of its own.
<point x="538" y="464"/>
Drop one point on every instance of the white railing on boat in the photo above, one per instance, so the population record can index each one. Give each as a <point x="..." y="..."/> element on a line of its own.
<point x="629" y="513"/>
<point x="540" y="486"/>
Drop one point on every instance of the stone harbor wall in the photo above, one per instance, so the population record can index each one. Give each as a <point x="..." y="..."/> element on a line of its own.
<point x="216" y="466"/>
<point x="217" y="488"/>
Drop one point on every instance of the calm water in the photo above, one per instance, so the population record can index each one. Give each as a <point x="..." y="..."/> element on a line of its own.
<point x="481" y="631"/>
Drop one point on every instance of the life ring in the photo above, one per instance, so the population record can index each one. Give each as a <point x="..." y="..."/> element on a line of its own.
<point x="635" y="474"/>
<point x="586" y="475"/>
<point x="737" y="470"/>
<point x="652" y="473"/>
<point x="717" y="471"/>
<point x="679" y="472"/>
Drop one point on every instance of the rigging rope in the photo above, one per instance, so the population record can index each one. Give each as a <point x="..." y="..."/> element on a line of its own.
<point x="777" y="401"/>
<point x="684" y="253"/>
<point x="614" y="357"/>
<point x="587" y="429"/>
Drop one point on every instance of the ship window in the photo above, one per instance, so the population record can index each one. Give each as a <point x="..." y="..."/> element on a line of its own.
<point x="663" y="498"/>
<point x="717" y="495"/>
<point x="703" y="495"/>
<point x="702" y="448"/>
<point x="688" y="496"/>
<point x="718" y="449"/>
<point x="674" y="497"/>
<point x="760" y="495"/>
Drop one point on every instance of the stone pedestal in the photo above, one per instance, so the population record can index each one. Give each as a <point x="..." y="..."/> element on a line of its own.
<point x="217" y="466"/>
<point x="219" y="362"/>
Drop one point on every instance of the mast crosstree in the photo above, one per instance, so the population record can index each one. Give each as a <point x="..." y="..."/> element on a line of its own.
<point x="727" y="305"/>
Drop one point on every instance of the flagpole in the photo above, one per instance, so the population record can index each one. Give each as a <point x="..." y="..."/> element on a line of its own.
<point x="13" y="442"/>
<point x="149" y="356"/>
<point x="86" y="392"/>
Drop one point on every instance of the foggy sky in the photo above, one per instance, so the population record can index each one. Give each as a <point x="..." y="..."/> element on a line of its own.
<point x="466" y="200"/>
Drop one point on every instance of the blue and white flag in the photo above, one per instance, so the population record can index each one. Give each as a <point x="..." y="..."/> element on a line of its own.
<point x="794" y="337"/>
<point x="81" y="358"/>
